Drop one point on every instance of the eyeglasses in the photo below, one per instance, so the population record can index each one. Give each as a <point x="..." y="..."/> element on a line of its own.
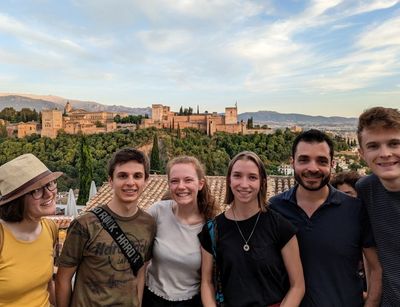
<point x="38" y="193"/>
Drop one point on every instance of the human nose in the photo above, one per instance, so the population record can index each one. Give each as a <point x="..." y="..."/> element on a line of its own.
<point x="180" y="184"/>
<point x="47" y="192"/>
<point x="313" y="166"/>
<point x="244" y="182"/>
<point x="384" y="151"/>
<point x="130" y="180"/>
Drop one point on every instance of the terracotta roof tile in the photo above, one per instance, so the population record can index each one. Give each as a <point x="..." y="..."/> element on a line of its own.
<point x="158" y="186"/>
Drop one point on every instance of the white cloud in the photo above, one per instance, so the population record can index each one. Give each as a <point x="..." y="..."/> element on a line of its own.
<point x="164" y="40"/>
<point x="383" y="35"/>
<point x="373" y="5"/>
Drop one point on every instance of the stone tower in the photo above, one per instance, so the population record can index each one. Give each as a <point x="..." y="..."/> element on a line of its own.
<point x="231" y="115"/>
<point x="52" y="122"/>
<point x="156" y="112"/>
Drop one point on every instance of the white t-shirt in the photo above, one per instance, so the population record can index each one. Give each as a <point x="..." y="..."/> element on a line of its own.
<point x="174" y="270"/>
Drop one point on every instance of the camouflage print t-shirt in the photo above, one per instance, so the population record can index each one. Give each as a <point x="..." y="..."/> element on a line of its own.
<point x="104" y="276"/>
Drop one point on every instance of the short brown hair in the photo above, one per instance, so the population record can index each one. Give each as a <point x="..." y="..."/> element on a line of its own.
<point x="205" y="200"/>
<point x="126" y="155"/>
<point x="13" y="211"/>
<point x="262" y="194"/>
<point x="378" y="117"/>
<point x="349" y="178"/>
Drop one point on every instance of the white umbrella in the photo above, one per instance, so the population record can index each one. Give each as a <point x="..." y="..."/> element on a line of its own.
<point x="93" y="190"/>
<point x="71" y="209"/>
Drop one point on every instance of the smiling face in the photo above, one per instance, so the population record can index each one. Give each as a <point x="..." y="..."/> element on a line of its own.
<point x="36" y="208"/>
<point x="184" y="183"/>
<point x="312" y="165"/>
<point x="245" y="182"/>
<point x="128" y="182"/>
<point x="380" y="149"/>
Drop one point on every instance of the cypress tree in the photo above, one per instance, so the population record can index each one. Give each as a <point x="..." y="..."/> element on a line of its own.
<point x="155" y="155"/>
<point x="85" y="166"/>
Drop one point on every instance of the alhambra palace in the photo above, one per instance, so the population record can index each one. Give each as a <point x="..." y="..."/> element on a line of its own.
<point x="75" y="121"/>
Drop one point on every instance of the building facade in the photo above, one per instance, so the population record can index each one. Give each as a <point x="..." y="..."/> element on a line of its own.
<point x="76" y="121"/>
<point x="163" y="117"/>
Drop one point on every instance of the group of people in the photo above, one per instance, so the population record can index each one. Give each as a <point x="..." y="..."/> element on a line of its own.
<point x="299" y="248"/>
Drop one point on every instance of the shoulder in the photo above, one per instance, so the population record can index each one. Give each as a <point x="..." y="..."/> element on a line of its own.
<point x="50" y="224"/>
<point x="159" y="207"/>
<point x="367" y="181"/>
<point x="281" y="198"/>
<point x="145" y="217"/>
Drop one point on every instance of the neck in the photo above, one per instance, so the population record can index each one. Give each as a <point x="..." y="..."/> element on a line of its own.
<point x="244" y="211"/>
<point x="310" y="201"/>
<point x="28" y="224"/>
<point x="123" y="209"/>
<point x="391" y="185"/>
<point x="26" y="230"/>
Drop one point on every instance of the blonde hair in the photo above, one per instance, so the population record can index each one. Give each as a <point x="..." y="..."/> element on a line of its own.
<point x="205" y="201"/>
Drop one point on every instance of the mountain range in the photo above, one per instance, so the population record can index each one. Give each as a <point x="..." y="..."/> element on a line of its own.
<point x="39" y="102"/>
<point x="271" y="117"/>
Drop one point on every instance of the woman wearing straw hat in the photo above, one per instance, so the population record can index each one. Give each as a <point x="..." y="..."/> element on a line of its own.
<point x="28" y="193"/>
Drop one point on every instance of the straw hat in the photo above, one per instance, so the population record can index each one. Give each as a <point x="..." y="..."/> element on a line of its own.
<point x="23" y="175"/>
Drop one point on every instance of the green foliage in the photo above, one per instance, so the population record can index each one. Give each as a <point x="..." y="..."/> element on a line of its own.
<point x="13" y="116"/>
<point x="250" y="123"/>
<point x="62" y="153"/>
<point x="133" y="119"/>
<point x="3" y="131"/>
<point x="85" y="171"/>
<point x="186" y="111"/>
<point x="155" y="164"/>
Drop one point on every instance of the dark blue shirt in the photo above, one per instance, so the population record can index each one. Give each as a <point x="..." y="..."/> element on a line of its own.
<point x="384" y="212"/>
<point x="331" y="243"/>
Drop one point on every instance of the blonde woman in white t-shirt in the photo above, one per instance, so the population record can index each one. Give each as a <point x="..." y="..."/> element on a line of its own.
<point x="173" y="275"/>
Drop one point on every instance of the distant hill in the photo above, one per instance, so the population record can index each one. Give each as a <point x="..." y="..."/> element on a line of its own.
<point x="271" y="117"/>
<point x="19" y="101"/>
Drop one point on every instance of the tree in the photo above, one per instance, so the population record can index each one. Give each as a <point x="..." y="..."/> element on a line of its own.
<point x="85" y="171"/>
<point x="250" y="123"/>
<point x="181" y="111"/>
<point x="155" y="164"/>
<point x="3" y="131"/>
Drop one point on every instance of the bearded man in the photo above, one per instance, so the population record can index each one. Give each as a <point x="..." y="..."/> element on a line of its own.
<point x="333" y="229"/>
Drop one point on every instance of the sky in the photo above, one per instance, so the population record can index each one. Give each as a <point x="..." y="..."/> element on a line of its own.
<point x="318" y="57"/>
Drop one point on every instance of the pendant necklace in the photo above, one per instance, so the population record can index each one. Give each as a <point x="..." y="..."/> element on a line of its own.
<point x="246" y="246"/>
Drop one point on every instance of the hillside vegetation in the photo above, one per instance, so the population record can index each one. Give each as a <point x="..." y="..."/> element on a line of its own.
<point x="215" y="152"/>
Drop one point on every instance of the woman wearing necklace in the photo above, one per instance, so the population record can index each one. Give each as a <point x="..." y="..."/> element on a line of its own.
<point x="173" y="275"/>
<point x="257" y="254"/>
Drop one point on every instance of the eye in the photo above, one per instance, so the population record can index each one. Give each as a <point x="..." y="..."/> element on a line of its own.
<point x="138" y="176"/>
<point x="394" y="143"/>
<point x="122" y="175"/>
<point x="236" y="175"/>
<point x="323" y="162"/>
<point x="189" y="180"/>
<point x="253" y="177"/>
<point x="372" y="146"/>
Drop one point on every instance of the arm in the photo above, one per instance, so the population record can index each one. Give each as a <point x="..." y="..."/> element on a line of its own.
<point x="207" y="287"/>
<point x="291" y="258"/>
<point x="64" y="286"/>
<point x="52" y="295"/>
<point x="374" y="277"/>
<point x="141" y="276"/>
